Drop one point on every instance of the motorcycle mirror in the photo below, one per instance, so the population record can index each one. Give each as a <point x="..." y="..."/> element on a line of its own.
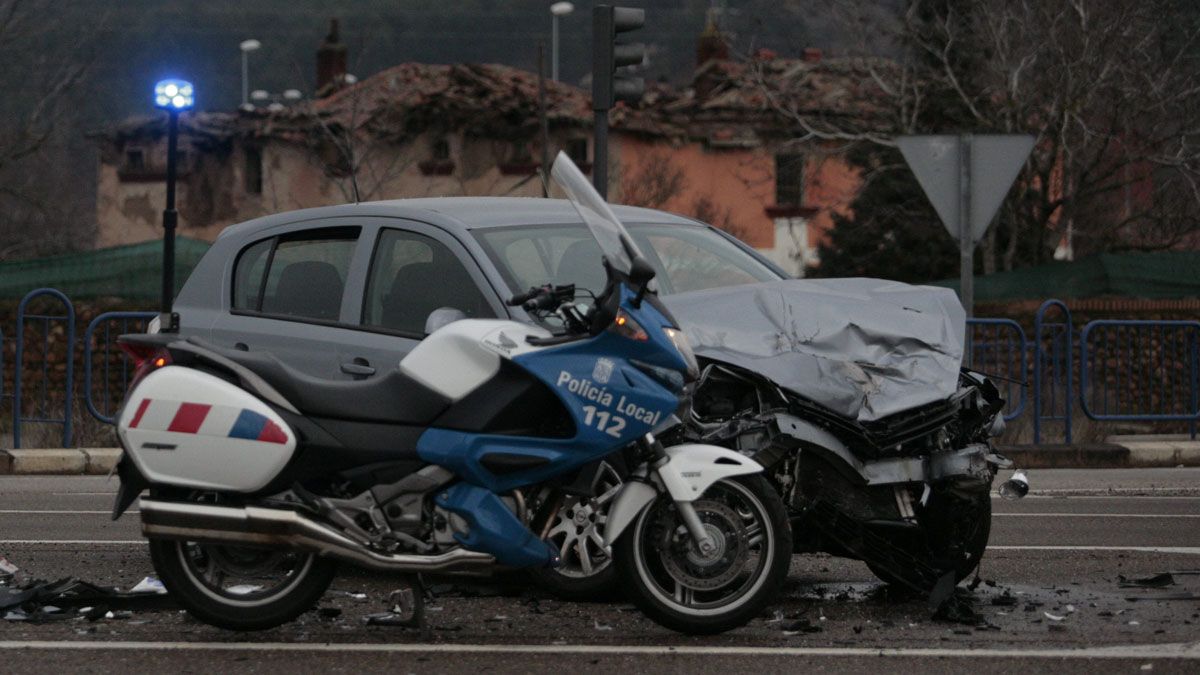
<point x="640" y="273"/>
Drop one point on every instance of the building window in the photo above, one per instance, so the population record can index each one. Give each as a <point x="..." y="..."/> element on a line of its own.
<point x="789" y="179"/>
<point x="135" y="160"/>
<point x="577" y="150"/>
<point x="254" y="171"/>
<point x="441" y="150"/>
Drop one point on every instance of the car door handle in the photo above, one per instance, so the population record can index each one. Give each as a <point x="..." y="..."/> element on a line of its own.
<point x="358" y="367"/>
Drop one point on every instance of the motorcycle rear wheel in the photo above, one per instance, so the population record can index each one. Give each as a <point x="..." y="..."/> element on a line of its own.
<point x="198" y="576"/>
<point x="686" y="591"/>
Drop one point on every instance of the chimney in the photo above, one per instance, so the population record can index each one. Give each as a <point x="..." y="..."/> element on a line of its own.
<point x="811" y="55"/>
<point x="711" y="46"/>
<point x="331" y="61"/>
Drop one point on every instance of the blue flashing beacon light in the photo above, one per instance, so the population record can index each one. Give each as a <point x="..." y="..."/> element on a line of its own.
<point x="174" y="95"/>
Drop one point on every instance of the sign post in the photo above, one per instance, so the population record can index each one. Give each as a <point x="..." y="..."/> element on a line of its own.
<point x="966" y="177"/>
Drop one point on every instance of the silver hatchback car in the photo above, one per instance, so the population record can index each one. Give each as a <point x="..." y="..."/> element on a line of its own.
<point x="345" y="292"/>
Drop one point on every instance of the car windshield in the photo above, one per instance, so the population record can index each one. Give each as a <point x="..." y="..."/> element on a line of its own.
<point x="610" y="234"/>
<point x="684" y="257"/>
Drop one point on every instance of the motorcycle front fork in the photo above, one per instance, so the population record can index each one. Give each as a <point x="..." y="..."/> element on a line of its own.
<point x="655" y="457"/>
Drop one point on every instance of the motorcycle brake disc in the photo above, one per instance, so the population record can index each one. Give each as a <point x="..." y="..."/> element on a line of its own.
<point x="688" y="567"/>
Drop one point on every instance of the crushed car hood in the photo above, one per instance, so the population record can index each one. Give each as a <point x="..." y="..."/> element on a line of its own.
<point x="864" y="348"/>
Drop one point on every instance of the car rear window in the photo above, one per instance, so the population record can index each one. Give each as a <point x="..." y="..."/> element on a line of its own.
<point x="297" y="275"/>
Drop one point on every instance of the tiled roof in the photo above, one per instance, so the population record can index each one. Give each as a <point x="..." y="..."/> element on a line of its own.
<point x="730" y="103"/>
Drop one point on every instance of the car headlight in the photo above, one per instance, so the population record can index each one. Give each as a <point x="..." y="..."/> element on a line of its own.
<point x="679" y="339"/>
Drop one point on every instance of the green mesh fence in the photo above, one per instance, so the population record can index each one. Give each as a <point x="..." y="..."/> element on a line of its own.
<point x="131" y="272"/>
<point x="1168" y="275"/>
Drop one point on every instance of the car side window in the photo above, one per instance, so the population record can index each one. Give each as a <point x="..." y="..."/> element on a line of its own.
<point x="299" y="275"/>
<point x="411" y="276"/>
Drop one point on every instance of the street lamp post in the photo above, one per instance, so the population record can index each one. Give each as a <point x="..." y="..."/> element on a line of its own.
<point x="247" y="46"/>
<point x="174" y="96"/>
<point x="558" y="10"/>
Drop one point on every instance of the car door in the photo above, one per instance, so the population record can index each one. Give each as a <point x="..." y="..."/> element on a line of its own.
<point x="294" y="293"/>
<point x="415" y="268"/>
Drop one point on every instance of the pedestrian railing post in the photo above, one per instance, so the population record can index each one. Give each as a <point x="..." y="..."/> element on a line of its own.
<point x="106" y="320"/>
<point x="18" y="366"/>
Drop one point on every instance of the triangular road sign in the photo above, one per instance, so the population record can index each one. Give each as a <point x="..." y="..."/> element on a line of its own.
<point x="995" y="162"/>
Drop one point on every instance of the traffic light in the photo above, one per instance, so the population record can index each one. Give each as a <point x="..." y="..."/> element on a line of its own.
<point x="608" y="86"/>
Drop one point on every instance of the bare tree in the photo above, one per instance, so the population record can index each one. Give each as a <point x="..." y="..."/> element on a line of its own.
<point x="1109" y="88"/>
<point x="37" y="133"/>
<point x="653" y="181"/>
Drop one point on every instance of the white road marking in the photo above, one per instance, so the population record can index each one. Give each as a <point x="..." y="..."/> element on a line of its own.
<point x="1108" y="491"/>
<point x="57" y="512"/>
<point x="1095" y="515"/>
<point x="1182" y="651"/>
<point x="74" y="542"/>
<point x="1189" y="550"/>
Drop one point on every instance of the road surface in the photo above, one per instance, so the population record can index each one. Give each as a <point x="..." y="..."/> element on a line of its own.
<point x="1058" y="553"/>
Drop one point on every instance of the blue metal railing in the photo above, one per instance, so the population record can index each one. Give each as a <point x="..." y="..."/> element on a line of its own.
<point x="1140" y="371"/>
<point x="110" y="360"/>
<point x="1128" y="370"/>
<point x="998" y="347"/>
<point x="1053" y="370"/>
<point x="43" y="404"/>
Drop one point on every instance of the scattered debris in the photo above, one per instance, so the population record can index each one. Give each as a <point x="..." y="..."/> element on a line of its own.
<point x="149" y="584"/>
<point x="600" y="626"/>
<point x="1053" y="617"/>
<point x="1180" y="595"/>
<point x="801" y="625"/>
<point x="1156" y="581"/>
<point x="8" y="571"/>
<point x="243" y="589"/>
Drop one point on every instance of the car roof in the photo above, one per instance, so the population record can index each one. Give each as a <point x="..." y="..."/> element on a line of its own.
<point x="470" y="213"/>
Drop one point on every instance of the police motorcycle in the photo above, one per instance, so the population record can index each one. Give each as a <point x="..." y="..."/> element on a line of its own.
<point x="262" y="479"/>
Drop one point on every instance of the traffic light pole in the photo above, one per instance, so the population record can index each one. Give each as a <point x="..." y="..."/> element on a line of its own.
<point x="600" y="160"/>
<point x="608" y="54"/>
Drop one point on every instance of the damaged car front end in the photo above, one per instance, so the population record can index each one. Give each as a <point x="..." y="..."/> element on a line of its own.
<point x="852" y="394"/>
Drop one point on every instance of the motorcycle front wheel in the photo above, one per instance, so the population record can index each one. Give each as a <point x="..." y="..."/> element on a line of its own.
<point x="679" y="587"/>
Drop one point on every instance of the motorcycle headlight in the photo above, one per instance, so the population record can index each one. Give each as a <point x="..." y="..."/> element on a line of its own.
<point x="679" y="339"/>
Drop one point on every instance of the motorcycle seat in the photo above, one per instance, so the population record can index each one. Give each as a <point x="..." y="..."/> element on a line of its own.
<point x="391" y="398"/>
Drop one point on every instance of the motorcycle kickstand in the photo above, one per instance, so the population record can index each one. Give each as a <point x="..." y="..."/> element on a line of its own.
<point x="415" y="596"/>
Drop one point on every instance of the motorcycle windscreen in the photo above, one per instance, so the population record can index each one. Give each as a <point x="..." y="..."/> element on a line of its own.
<point x="615" y="242"/>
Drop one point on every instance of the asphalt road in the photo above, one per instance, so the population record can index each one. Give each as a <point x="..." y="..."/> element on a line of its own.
<point x="1058" y="553"/>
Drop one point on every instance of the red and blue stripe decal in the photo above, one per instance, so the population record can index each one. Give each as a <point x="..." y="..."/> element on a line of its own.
<point x="256" y="427"/>
<point x="206" y="420"/>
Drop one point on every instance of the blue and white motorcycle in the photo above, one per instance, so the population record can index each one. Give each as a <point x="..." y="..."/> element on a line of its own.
<point x="261" y="479"/>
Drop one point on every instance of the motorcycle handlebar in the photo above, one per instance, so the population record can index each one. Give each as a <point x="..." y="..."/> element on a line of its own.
<point x="522" y="298"/>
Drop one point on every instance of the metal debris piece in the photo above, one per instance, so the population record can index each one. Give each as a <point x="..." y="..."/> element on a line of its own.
<point x="1181" y="595"/>
<point x="149" y="584"/>
<point x="1155" y="581"/>
<point x="801" y="625"/>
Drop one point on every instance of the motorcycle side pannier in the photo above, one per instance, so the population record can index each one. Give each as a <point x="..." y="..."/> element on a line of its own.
<point x="187" y="428"/>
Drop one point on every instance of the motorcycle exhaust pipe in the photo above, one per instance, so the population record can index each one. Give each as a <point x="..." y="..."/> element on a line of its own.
<point x="281" y="528"/>
<point x="1015" y="487"/>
